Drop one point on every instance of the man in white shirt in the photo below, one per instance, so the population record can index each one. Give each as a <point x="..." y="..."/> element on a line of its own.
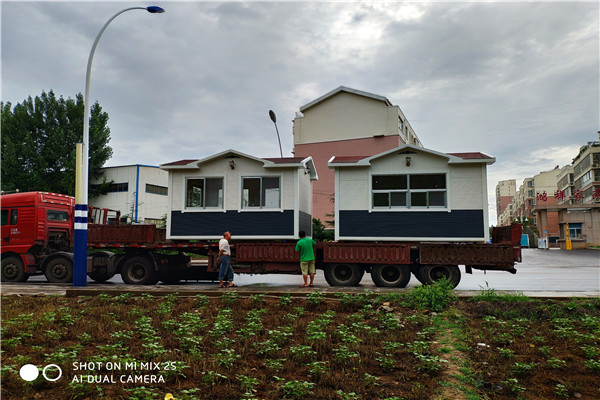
<point x="225" y="270"/>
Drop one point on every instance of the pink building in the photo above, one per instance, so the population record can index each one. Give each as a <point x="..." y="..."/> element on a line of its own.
<point x="346" y="122"/>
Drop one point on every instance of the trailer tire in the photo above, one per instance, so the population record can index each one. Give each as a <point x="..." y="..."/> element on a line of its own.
<point x="433" y="273"/>
<point x="391" y="275"/>
<point x="343" y="274"/>
<point x="100" y="275"/>
<point x="13" y="270"/>
<point x="138" y="270"/>
<point x="59" y="270"/>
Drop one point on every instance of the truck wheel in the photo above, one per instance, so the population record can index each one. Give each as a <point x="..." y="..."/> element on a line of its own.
<point x="343" y="274"/>
<point x="433" y="273"/>
<point x="59" y="270"/>
<point x="393" y="275"/>
<point x="138" y="270"/>
<point x="13" y="270"/>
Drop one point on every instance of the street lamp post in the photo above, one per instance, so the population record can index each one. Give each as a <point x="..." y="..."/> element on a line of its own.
<point x="82" y="172"/>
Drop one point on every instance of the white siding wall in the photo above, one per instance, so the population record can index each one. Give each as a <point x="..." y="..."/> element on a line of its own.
<point x="465" y="185"/>
<point x="233" y="181"/>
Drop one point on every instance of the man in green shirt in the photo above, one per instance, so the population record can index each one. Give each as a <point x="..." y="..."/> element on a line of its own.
<point x="307" y="258"/>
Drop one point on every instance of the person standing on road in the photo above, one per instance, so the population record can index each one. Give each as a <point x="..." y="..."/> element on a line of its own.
<point x="307" y="258"/>
<point x="225" y="270"/>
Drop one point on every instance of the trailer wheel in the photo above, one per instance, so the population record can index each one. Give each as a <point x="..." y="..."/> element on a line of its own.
<point x="138" y="270"/>
<point x="343" y="274"/>
<point x="100" y="275"/>
<point x="59" y="270"/>
<point x="433" y="273"/>
<point x="393" y="275"/>
<point x="13" y="270"/>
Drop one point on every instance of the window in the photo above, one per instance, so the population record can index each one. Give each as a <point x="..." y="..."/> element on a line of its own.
<point x="4" y="217"/>
<point x="155" y="189"/>
<point x="417" y="191"/>
<point x="400" y="124"/>
<point x="119" y="187"/>
<point x="204" y="193"/>
<point x="56" y="215"/>
<point x="14" y="216"/>
<point x="575" y="231"/>
<point x="261" y="192"/>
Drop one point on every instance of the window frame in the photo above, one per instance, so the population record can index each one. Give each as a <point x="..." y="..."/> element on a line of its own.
<point x="221" y="207"/>
<point x="408" y="200"/>
<point x="261" y="207"/>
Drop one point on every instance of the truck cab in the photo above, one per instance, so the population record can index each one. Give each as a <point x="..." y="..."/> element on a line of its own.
<point x="34" y="226"/>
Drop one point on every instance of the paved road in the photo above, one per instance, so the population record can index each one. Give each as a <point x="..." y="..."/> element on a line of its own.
<point x="543" y="272"/>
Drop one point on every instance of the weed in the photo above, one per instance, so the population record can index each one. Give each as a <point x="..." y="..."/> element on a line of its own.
<point x="434" y="297"/>
<point x="297" y="389"/>
<point x="592" y="365"/>
<point x="522" y="369"/>
<point x="302" y="352"/>
<point x="318" y="368"/>
<point x="247" y="383"/>
<point x="274" y="365"/>
<point x="285" y="300"/>
<point x="556" y="363"/>
<point x="561" y="390"/>
<point x="228" y="357"/>
<point x="513" y="385"/>
<point x="213" y="378"/>
<point x="315" y="298"/>
<point x="370" y="380"/>
<point x="229" y="298"/>
<point x="590" y="352"/>
<point x="348" y="396"/>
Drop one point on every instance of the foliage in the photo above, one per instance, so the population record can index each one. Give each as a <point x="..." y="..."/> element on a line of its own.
<point x="38" y="143"/>
<point x="434" y="297"/>
<point x="320" y="232"/>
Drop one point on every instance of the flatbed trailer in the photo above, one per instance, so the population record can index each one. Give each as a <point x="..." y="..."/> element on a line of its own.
<point x="141" y="255"/>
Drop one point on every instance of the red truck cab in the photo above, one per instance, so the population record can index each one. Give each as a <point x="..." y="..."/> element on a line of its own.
<point x="34" y="225"/>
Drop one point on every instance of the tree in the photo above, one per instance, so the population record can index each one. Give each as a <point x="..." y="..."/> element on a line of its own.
<point x="38" y="143"/>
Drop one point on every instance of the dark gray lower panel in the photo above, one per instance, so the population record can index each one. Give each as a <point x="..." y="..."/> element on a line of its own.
<point x="238" y="223"/>
<point x="454" y="224"/>
<point x="305" y="223"/>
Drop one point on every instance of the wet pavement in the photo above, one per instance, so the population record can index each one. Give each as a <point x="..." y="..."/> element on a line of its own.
<point x="543" y="273"/>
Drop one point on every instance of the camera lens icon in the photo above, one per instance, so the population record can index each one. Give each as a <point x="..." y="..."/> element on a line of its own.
<point x="30" y="372"/>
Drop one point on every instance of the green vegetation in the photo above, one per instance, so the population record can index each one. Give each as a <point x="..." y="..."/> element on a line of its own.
<point x="421" y="344"/>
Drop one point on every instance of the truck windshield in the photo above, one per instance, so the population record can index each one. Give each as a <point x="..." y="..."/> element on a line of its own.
<point x="55" y="215"/>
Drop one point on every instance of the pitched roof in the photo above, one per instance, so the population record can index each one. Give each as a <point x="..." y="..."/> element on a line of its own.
<point x="180" y="162"/>
<point x="471" y="156"/>
<point x="347" y="90"/>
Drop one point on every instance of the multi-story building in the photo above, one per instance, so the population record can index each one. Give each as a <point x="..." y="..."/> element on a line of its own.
<point x="346" y="122"/>
<point x="577" y="200"/>
<point x="505" y="191"/>
<point x="140" y="192"/>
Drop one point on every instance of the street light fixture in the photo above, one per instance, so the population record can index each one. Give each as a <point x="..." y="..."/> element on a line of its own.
<point x="82" y="169"/>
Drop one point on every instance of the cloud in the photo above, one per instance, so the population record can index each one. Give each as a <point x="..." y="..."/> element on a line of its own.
<point x="518" y="81"/>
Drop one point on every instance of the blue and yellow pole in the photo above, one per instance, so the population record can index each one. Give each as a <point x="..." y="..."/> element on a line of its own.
<point x="80" y="225"/>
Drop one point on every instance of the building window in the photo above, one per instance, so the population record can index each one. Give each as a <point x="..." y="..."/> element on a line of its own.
<point x="409" y="191"/>
<point x="204" y="193"/>
<point x="261" y="192"/>
<point x="155" y="189"/>
<point x="575" y="231"/>
<point x="119" y="187"/>
<point x="400" y="124"/>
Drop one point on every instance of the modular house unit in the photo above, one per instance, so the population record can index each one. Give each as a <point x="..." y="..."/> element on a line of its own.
<point x="253" y="198"/>
<point x="411" y="194"/>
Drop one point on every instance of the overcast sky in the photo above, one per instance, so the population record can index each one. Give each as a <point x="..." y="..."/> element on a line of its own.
<point x="518" y="81"/>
